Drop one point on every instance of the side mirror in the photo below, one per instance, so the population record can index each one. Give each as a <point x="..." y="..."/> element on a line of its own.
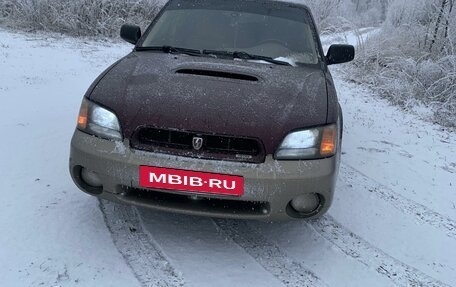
<point x="338" y="54"/>
<point x="130" y="33"/>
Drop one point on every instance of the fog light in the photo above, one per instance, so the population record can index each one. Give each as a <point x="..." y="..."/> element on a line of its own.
<point x="306" y="203"/>
<point x="91" y="178"/>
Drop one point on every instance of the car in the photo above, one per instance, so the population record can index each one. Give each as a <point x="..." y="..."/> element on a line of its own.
<point x="222" y="109"/>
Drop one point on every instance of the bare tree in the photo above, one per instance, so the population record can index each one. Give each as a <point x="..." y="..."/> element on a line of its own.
<point x="438" y="23"/>
<point x="447" y="22"/>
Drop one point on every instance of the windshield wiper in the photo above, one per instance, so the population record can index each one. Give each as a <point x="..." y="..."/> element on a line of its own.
<point x="171" y="50"/>
<point x="244" y="56"/>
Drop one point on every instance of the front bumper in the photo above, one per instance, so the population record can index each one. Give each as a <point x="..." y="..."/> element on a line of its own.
<point x="269" y="187"/>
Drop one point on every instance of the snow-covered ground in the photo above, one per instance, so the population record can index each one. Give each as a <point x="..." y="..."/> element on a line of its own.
<point x="393" y="222"/>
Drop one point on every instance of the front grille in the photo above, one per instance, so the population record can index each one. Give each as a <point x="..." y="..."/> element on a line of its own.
<point x="218" y="147"/>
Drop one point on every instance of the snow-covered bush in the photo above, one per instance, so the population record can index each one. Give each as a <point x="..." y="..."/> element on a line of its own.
<point x="94" y="17"/>
<point x="327" y="14"/>
<point x="78" y="17"/>
<point x="333" y="16"/>
<point x="413" y="58"/>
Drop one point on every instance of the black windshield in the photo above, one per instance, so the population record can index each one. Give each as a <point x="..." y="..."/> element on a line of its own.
<point x="264" y="28"/>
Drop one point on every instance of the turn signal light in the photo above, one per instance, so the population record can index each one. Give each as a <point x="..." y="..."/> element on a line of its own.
<point x="329" y="141"/>
<point x="83" y="114"/>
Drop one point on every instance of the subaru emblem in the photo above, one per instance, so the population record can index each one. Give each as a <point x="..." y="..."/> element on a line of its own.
<point x="197" y="143"/>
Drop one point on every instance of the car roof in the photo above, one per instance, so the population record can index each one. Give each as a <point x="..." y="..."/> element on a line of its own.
<point x="292" y="3"/>
<point x="289" y="3"/>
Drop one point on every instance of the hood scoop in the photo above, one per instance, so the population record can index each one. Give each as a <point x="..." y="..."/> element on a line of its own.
<point x="218" y="74"/>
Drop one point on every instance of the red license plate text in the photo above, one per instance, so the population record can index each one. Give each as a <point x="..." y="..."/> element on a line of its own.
<point x="190" y="181"/>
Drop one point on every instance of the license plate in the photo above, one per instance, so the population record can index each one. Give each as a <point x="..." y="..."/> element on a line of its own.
<point x="190" y="181"/>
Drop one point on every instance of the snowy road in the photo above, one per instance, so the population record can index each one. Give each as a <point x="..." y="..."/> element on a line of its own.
<point x="393" y="222"/>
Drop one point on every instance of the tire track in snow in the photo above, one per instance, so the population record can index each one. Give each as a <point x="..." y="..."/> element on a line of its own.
<point x="420" y="212"/>
<point x="147" y="262"/>
<point x="268" y="255"/>
<point x="359" y="249"/>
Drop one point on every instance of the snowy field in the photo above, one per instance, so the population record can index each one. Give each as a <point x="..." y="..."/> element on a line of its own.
<point x="393" y="222"/>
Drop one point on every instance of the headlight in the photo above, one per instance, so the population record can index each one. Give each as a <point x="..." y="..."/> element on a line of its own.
<point x="309" y="144"/>
<point x="98" y="121"/>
